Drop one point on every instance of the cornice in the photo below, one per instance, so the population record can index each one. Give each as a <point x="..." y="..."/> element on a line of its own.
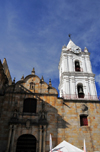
<point x="34" y="94"/>
<point x="70" y="52"/>
<point x="80" y="101"/>
<point x="78" y="74"/>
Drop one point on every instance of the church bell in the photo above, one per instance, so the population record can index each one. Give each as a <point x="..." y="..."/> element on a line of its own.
<point x="77" y="64"/>
<point x="80" y="90"/>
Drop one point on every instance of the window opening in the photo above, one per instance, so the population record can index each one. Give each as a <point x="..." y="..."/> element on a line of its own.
<point x="29" y="105"/>
<point x="83" y="120"/>
<point x="77" y="66"/>
<point x="32" y="86"/>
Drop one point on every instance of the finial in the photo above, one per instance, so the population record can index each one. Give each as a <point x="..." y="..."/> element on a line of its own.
<point x="22" y="78"/>
<point x="69" y="36"/>
<point x="42" y="80"/>
<point x="33" y="71"/>
<point x="50" y="85"/>
<point x="85" y="49"/>
<point x="64" y="46"/>
<point x="13" y="81"/>
<point x="0" y="62"/>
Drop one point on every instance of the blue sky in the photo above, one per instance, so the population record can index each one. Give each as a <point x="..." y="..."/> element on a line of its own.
<point x="32" y="33"/>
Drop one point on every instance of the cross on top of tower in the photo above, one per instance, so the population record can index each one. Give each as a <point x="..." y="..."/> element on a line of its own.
<point x="69" y="36"/>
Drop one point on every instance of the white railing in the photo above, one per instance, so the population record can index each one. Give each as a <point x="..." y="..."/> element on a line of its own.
<point x="74" y="97"/>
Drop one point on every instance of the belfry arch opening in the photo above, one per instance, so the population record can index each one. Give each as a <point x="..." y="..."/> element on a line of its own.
<point x="26" y="143"/>
<point x="80" y="90"/>
<point x="77" y="66"/>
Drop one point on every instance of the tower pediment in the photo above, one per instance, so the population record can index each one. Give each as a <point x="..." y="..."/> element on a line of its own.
<point x="73" y="47"/>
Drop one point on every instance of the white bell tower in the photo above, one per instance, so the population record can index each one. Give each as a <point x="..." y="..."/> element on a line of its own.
<point x="75" y="74"/>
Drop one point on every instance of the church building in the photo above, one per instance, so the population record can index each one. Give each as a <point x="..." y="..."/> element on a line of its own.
<point x="30" y="109"/>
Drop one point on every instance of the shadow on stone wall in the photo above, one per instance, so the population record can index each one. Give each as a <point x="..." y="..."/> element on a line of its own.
<point x="47" y="115"/>
<point x="45" y="109"/>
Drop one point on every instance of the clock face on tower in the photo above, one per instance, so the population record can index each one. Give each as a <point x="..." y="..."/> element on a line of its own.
<point x="73" y="48"/>
<point x="76" y="50"/>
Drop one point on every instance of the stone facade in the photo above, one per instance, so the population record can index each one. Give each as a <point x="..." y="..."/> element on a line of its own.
<point x="54" y="115"/>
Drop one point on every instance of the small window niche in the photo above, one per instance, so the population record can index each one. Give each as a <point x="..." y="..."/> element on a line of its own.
<point x="83" y="120"/>
<point x="77" y="66"/>
<point x="32" y="86"/>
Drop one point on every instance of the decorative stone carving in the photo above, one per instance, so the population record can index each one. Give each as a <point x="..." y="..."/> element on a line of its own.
<point x="43" y="115"/>
<point x="43" y="112"/>
<point x="84" y="107"/>
<point x="15" y="115"/>
<point x="14" y="118"/>
<point x="28" y="124"/>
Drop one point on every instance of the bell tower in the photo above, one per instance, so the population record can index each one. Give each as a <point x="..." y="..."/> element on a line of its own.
<point x="75" y="73"/>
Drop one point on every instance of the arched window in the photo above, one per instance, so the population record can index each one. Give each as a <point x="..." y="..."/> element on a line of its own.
<point x="83" y="120"/>
<point x="80" y="91"/>
<point x="29" y="105"/>
<point x="26" y="143"/>
<point x="77" y="66"/>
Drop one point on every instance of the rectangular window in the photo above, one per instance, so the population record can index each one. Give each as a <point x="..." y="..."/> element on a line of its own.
<point x="30" y="105"/>
<point x="83" y="120"/>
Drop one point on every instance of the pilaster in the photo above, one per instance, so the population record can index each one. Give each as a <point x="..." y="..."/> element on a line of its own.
<point x="10" y="130"/>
